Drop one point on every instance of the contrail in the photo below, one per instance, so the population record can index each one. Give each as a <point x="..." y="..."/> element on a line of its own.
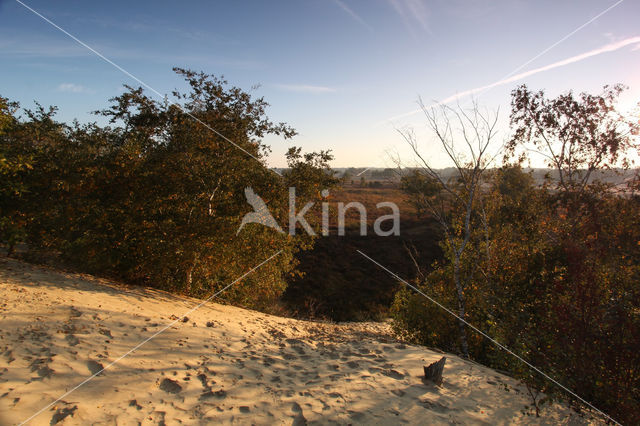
<point x="577" y="58"/>
<point x="353" y="14"/>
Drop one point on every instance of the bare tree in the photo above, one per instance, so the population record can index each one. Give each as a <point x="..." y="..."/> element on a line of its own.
<point x="465" y="136"/>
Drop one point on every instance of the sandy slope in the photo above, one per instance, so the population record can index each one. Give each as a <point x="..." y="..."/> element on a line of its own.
<point x="224" y="364"/>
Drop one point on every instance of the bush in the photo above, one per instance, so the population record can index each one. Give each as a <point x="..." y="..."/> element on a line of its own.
<point x="558" y="287"/>
<point x="157" y="199"/>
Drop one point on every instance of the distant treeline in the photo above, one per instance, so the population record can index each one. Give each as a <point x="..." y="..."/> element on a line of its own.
<point x="539" y="174"/>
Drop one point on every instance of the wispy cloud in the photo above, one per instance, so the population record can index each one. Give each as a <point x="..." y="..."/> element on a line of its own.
<point x="153" y="26"/>
<point x="354" y="15"/>
<point x="305" y="88"/>
<point x="412" y="12"/>
<point x="29" y="47"/>
<point x="25" y="48"/>
<point x="635" y="41"/>
<point x="73" y="88"/>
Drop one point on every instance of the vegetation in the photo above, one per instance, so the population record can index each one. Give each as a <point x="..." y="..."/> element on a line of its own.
<point x="157" y="197"/>
<point x="551" y="271"/>
<point x="460" y="210"/>
<point x="337" y="283"/>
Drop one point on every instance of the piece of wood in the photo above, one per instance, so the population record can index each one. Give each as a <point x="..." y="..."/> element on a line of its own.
<point x="434" y="371"/>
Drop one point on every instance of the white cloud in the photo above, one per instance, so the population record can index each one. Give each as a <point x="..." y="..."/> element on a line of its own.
<point x="73" y="88"/>
<point x="305" y="88"/>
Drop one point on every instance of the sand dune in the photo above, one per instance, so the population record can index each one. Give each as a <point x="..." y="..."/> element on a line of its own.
<point x="222" y="365"/>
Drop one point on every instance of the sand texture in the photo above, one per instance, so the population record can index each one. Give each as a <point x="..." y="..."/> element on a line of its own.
<point x="222" y="365"/>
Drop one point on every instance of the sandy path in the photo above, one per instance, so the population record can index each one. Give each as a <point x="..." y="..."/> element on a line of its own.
<point x="224" y="364"/>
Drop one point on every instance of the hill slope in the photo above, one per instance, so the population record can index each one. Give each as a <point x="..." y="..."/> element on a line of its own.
<point x="224" y="364"/>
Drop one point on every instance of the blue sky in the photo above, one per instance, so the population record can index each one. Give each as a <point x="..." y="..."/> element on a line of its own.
<point x="335" y="70"/>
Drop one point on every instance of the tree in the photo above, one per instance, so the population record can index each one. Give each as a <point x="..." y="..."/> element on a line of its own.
<point x="157" y="197"/>
<point x="576" y="135"/>
<point x="12" y="164"/>
<point x="588" y="322"/>
<point x="309" y="172"/>
<point x="457" y="205"/>
<point x="554" y="268"/>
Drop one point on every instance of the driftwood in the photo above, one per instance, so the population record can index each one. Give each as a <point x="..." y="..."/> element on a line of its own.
<point x="434" y="371"/>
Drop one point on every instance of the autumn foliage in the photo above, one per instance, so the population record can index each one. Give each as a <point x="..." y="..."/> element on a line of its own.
<point x="553" y="269"/>
<point x="157" y="196"/>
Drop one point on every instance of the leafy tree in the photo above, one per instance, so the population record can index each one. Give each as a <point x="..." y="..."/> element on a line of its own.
<point x="12" y="164"/>
<point x="552" y="269"/>
<point x="310" y="172"/>
<point x="157" y="197"/>
<point x="576" y="135"/>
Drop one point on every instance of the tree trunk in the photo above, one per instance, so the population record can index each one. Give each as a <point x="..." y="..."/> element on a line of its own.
<point x="189" y="274"/>
<point x="189" y="278"/>
<point x="461" y="308"/>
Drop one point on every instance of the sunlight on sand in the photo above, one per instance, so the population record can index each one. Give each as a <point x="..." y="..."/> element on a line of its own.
<point x="223" y="364"/>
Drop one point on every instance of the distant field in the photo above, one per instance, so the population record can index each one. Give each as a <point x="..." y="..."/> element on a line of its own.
<point x="338" y="282"/>
<point x="370" y="197"/>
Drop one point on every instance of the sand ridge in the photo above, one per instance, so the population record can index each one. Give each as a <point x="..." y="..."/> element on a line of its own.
<point x="223" y="364"/>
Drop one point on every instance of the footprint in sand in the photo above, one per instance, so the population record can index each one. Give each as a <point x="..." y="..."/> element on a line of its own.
<point x="170" y="386"/>
<point x="267" y="360"/>
<point x="134" y="403"/>
<point x="394" y="374"/>
<point x="220" y="394"/>
<point x="72" y="340"/>
<point x="94" y="367"/>
<point x="434" y="406"/>
<point x="41" y="367"/>
<point x="62" y="413"/>
<point x="356" y="416"/>
<point x="9" y="356"/>
<point x="353" y="364"/>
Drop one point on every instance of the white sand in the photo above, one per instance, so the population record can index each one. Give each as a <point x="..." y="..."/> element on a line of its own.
<point x="245" y="367"/>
